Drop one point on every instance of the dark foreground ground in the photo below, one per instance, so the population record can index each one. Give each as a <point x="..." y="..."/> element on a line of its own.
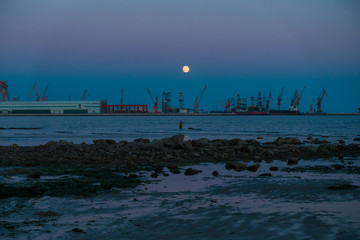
<point x="171" y="188"/>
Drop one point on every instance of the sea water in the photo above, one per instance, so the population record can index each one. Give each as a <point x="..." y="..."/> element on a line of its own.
<point x="35" y="130"/>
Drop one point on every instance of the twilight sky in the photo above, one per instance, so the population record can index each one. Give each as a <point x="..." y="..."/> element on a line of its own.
<point x="243" y="45"/>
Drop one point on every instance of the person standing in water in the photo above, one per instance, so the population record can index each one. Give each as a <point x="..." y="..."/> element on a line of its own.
<point x="181" y="124"/>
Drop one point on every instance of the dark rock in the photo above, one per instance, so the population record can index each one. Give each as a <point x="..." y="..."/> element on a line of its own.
<point x="110" y="141"/>
<point x="357" y="139"/>
<point x="248" y="149"/>
<point x="77" y="230"/>
<point x="292" y="161"/>
<point x="288" y="140"/>
<point x="100" y="142"/>
<point x="178" y="140"/>
<point x="253" y="168"/>
<point x="229" y="166"/>
<point x="265" y="175"/>
<point x="165" y="174"/>
<point x="34" y="175"/>
<point x="237" y="142"/>
<point x="174" y="169"/>
<point x="274" y="168"/>
<point x="259" y="138"/>
<point x="154" y="175"/>
<point x="341" y="141"/>
<point x="191" y="171"/>
<point x="337" y="166"/>
<point x="343" y="187"/>
<point x="318" y="141"/>
<point x="240" y="167"/>
<point x="47" y="214"/>
<point x="158" y="169"/>
<point x="142" y="140"/>
<point x="132" y="175"/>
<point x="309" y="138"/>
<point x="215" y="173"/>
<point x="200" y="142"/>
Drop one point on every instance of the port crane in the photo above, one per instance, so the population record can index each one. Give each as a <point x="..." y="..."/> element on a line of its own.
<point x="298" y="98"/>
<point x="312" y="106"/>
<point x="4" y="91"/>
<point x="156" y="102"/>
<point x="268" y="102"/>
<point x="227" y="103"/>
<point x="198" y="99"/>
<point x="292" y="104"/>
<point x="41" y="95"/>
<point x="319" y="100"/>
<point x="279" y="98"/>
<point x="83" y="98"/>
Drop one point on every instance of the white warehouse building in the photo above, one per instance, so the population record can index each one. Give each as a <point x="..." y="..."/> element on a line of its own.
<point x="52" y="107"/>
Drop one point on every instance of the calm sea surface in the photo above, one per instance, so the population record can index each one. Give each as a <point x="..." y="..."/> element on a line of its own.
<point x="39" y="130"/>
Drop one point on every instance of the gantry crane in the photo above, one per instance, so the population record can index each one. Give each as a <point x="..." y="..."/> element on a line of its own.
<point x="41" y="96"/>
<point x="279" y="98"/>
<point x="156" y="102"/>
<point x="319" y="100"/>
<point x="4" y="91"/>
<point x="198" y="100"/>
<point x="268" y="102"/>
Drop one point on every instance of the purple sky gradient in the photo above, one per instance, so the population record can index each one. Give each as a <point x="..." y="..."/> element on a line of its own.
<point x="248" y="46"/>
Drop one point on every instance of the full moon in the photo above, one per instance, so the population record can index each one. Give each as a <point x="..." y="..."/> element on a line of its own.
<point x="186" y="69"/>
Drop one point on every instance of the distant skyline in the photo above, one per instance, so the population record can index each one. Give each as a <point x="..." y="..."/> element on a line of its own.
<point x="247" y="46"/>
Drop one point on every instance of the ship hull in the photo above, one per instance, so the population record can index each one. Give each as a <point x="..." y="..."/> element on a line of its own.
<point x="284" y="112"/>
<point x="251" y="113"/>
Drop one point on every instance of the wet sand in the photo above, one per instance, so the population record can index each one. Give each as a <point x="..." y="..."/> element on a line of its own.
<point x="314" y="199"/>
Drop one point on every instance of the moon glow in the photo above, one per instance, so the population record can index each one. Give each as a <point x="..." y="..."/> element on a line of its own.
<point x="186" y="69"/>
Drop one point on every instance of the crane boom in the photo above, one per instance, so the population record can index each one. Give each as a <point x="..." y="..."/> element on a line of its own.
<point x="156" y="103"/>
<point x="319" y="100"/>
<point x="280" y="97"/>
<point x="198" y="99"/>
<point x="298" y="98"/>
<point x="268" y="102"/>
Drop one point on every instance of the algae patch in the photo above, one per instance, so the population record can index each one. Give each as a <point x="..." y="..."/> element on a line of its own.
<point x="61" y="180"/>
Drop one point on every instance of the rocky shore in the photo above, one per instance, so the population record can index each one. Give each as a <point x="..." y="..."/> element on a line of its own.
<point x="174" y="150"/>
<point x="67" y="169"/>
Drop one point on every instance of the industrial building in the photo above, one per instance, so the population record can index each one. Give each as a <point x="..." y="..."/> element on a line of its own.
<point x="53" y="107"/>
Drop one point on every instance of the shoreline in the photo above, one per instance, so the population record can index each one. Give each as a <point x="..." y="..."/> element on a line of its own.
<point x="169" y="114"/>
<point x="174" y="150"/>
